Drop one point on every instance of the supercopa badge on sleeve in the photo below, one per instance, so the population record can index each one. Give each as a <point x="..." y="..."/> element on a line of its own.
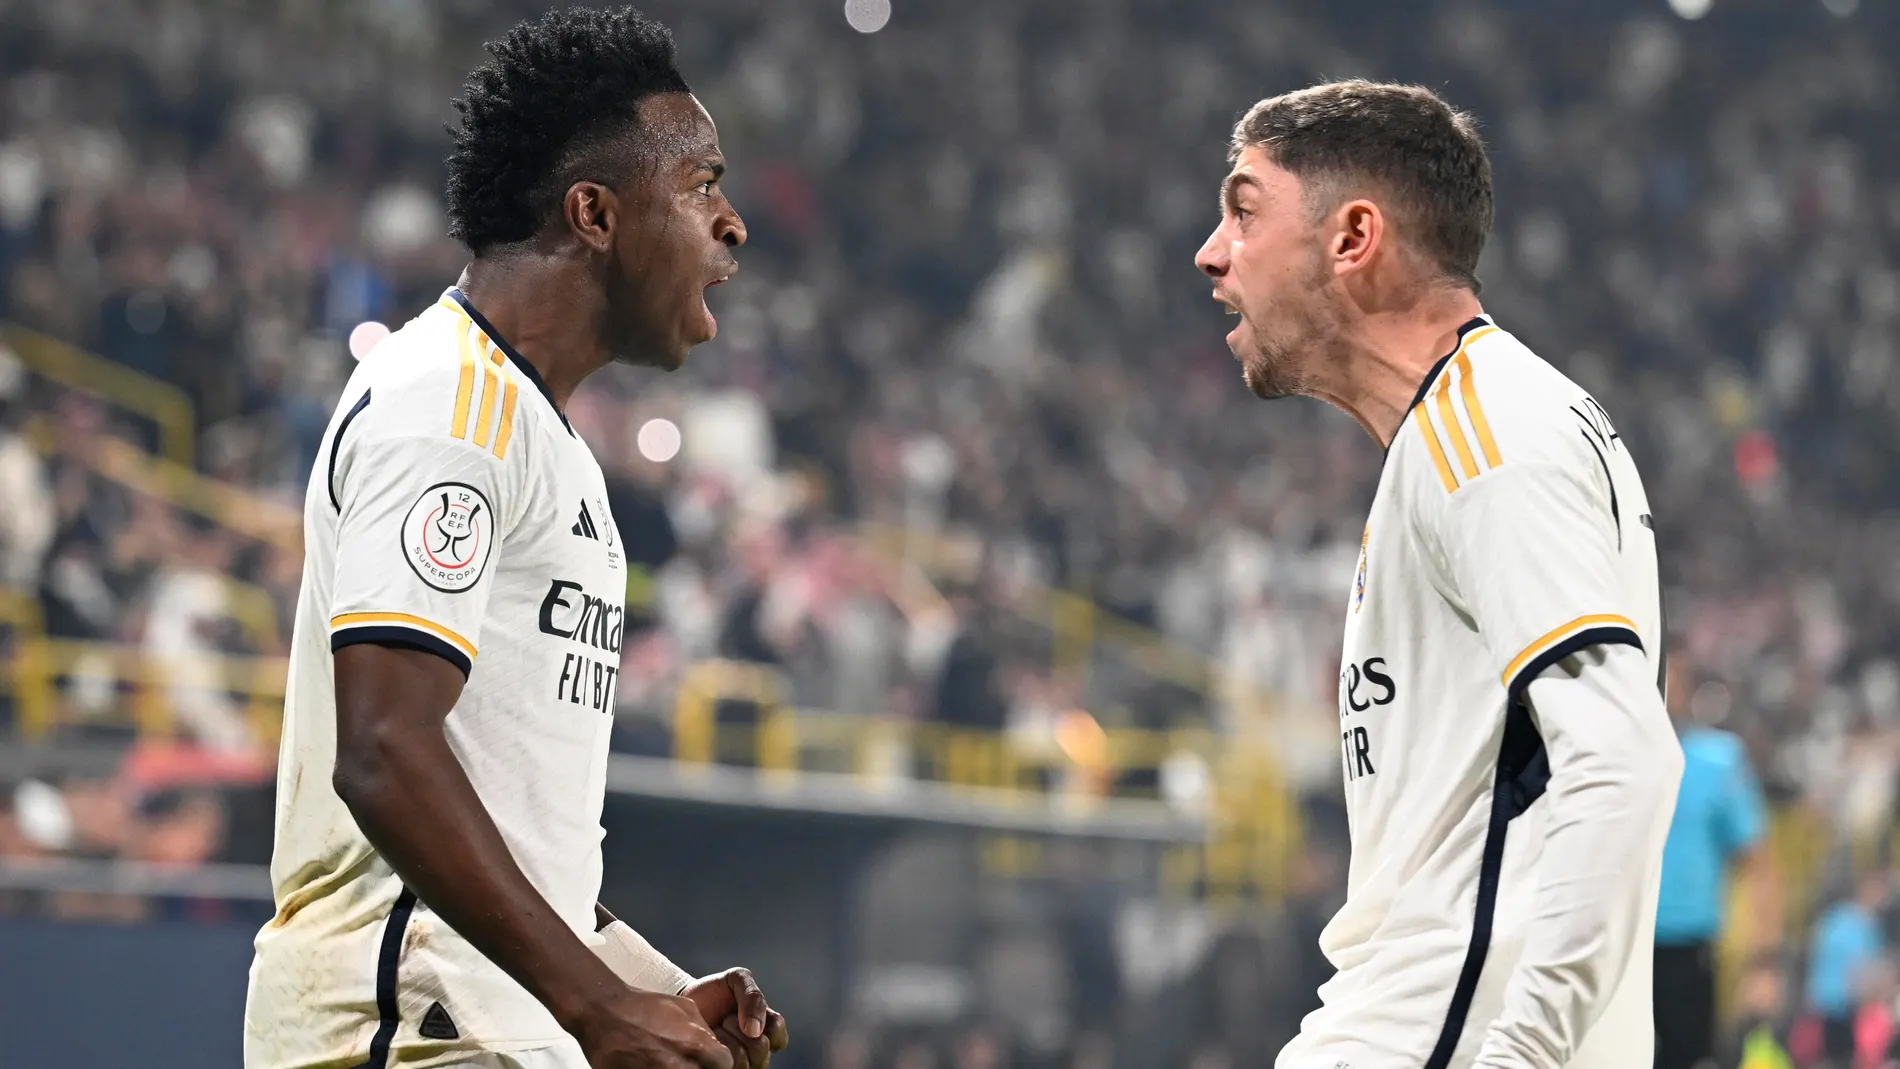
<point x="447" y="536"/>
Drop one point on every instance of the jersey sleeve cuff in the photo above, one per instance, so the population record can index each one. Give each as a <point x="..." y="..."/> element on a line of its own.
<point x="1579" y="634"/>
<point x="404" y="630"/>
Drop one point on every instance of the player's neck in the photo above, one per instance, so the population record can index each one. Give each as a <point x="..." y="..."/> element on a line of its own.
<point x="536" y="315"/>
<point x="1384" y="358"/>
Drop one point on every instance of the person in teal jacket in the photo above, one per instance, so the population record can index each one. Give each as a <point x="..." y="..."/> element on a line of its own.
<point x="1719" y="820"/>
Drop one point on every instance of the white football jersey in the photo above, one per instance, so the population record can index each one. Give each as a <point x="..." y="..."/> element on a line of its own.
<point x="452" y="510"/>
<point x="1509" y="531"/>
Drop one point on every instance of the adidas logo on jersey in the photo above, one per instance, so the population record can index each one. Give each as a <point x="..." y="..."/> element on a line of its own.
<point x="585" y="525"/>
<point x="436" y="1024"/>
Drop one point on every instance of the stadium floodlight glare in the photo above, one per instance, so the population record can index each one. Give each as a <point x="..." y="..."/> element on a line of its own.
<point x="366" y="336"/>
<point x="1691" y="9"/>
<point x="659" y="440"/>
<point x="1841" y="9"/>
<point x="867" y="16"/>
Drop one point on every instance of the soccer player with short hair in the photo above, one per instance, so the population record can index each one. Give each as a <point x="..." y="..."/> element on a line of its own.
<point x="1510" y="769"/>
<point x="457" y="638"/>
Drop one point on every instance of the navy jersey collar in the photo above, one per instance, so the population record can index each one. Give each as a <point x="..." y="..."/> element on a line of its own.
<point x="1438" y="369"/>
<point x="507" y="350"/>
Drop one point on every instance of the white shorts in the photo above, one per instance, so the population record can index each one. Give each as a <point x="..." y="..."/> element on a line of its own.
<point x="565" y="1055"/>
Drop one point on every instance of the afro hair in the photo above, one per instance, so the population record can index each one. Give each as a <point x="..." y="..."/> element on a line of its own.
<point x="561" y="89"/>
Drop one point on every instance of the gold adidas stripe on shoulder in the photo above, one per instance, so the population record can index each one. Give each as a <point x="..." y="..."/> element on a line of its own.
<point x="498" y="384"/>
<point x="1476" y="411"/>
<point x="465" y="388"/>
<point x="1445" y="436"/>
<point x="1450" y="418"/>
<point x="507" y="428"/>
<point x="1424" y="421"/>
<point x="491" y="389"/>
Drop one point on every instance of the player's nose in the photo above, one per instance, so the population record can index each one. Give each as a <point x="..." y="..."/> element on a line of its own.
<point x="729" y="228"/>
<point x="1212" y="259"/>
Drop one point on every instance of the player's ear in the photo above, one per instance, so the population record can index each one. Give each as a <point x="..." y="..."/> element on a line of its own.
<point x="591" y="211"/>
<point x="1360" y="232"/>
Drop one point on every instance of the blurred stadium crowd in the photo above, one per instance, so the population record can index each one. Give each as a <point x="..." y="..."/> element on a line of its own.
<point x="968" y="341"/>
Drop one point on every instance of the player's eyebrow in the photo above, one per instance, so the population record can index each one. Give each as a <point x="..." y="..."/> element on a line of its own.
<point x="1230" y="188"/>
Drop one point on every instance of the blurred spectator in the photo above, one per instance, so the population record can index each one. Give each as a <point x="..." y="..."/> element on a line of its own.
<point x="1719" y="820"/>
<point x="968" y="693"/>
<point x="979" y="1048"/>
<point x="189" y="606"/>
<point x="1876" y="1042"/>
<point x="847" y="1049"/>
<point x="914" y="1054"/>
<point x="1093" y="1050"/>
<point x="180" y="828"/>
<point x="104" y="815"/>
<point x="26" y="523"/>
<point x="1848" y="939"/>
<point x="1758" y="1039"/>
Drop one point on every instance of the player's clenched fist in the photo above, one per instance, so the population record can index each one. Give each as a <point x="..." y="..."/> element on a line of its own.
<point x="733" y="1006"/>
<point x="643" y="1030"/>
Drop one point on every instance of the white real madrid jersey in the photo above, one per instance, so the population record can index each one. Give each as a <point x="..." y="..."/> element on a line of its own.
<point x="451" y="510"/>
<point x="1509" y="531"/>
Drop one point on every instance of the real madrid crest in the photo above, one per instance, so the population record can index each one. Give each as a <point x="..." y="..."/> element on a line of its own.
<point x="1359" y="582"/>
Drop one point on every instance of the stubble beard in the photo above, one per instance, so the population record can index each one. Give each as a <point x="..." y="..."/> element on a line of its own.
<point x="1281" y="364"/>
<point x="1269" y="373"/>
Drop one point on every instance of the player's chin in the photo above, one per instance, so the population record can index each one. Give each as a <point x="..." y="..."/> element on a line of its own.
<point x="690" y="335"/>
<point x="699" y="326"/>
<point x="1252" y="378"/>
<point x="673" y="357"/>
<point x="1261" y="378"/>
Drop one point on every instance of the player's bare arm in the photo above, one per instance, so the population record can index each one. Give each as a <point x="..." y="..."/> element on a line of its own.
<point x="409" y="794"/>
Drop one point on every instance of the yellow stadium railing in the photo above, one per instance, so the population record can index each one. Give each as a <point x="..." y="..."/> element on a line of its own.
<point x="1078" y="627"/>
<point x="162" y="403"/>
<point x="229" y="506"/>
<point x="144" y="688"/>
<point x="169" y="474"/>
<point x="1254" y="823"/>
<point x="28" y="678"/>
<point x="739" y="714"/>
<point x="142" y="683"/>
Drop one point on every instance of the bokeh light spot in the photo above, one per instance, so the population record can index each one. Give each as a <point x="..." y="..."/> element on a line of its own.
<point x="1756" y="458"/>
<point x="365" y="336"/>
<point x="867" y="16"/>
<point x="659" y="440"/>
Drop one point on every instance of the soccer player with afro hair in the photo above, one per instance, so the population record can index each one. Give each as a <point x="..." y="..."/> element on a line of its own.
<point x="436" y="876"/>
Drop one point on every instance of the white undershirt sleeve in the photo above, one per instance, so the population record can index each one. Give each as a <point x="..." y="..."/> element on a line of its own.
<point x="1615" y="766"/>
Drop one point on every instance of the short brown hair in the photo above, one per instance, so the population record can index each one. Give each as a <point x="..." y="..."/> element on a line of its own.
<point x="1403" y="139"/>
